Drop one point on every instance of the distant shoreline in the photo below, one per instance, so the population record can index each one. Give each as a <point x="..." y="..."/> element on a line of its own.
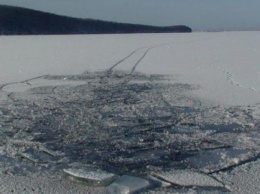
<point x="22" y="21"/>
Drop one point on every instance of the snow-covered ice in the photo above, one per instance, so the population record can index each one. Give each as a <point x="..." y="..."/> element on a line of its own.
<point x="91" y="175"/>
<point x="216" y="160"/>
<point x="225" y="65"/>
<point x="189" y="178"/>
<point x="133" y="105"/>
<point x="243" y="179"/>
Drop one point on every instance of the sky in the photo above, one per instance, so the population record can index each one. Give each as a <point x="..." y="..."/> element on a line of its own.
<point x="200" y="15"/>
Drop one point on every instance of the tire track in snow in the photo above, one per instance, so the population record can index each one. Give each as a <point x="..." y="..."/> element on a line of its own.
<point x="113" y="66"/>
<point x="149" y="48"/>
<point x="4" y="85"/>
<point x="28" y="80"/>
<point x="139" y="61"/>
<point x="124" y="59"/>
<point x="21" y="82"/>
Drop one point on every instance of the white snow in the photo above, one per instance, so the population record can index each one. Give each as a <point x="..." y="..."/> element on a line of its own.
<point x="189" y="178"/>
<point x="243" y="179"/>
<point x="226" y="64"/>
<point x="214" y="160"/>
<point x="43" y="183"/>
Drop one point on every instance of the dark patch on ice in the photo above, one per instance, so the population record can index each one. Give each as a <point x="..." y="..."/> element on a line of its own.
<point x="116" y="121"/>
<point x="221" y="128"/>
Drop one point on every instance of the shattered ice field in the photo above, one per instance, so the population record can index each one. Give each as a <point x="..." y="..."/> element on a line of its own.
<point x="177" y="113"/>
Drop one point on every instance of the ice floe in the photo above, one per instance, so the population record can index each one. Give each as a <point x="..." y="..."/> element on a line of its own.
<point x="128" y="184"/>
<point x="91" y="175"/>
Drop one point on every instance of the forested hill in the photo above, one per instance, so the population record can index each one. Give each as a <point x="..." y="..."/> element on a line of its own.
<point x="16" y="21"/>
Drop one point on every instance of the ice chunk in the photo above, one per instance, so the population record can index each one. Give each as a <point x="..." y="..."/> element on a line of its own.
<point x="160" y="182"/>
<point x="36" y="156"/>
<point x="189" y="178"/>
<point x="128" y="184"/>
<point x="30" y="157"/>
<point x="215" y="160"/>
<point x="243" y="179"/>
<point x="51" y="152"/>
<point x="92" y="176"/>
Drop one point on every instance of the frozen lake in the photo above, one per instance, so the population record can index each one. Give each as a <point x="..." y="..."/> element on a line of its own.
<point x="225" y="65"/>
<point x="145" y="111"/>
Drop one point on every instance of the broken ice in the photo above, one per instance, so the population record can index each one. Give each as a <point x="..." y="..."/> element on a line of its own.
<point x="128" y="184"/>
<point x="95" y="177"/>
<point x="189" y="178"/>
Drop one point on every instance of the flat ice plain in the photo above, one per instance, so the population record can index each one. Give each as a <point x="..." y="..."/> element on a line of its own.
<point x="164" y="107"/>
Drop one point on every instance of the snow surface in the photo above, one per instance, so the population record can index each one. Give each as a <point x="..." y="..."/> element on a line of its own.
<point x="250" y="179"/>
<point x="132" y="105"/>
<point x="189" y="178"/>
<point x="43" y="183"/>
<point x="225" y="65"/>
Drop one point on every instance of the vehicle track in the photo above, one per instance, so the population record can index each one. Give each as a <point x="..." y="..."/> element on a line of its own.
<point x="124" y="59"/>
<point x="148" y="48"/>
<point x="139" y="61"/>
